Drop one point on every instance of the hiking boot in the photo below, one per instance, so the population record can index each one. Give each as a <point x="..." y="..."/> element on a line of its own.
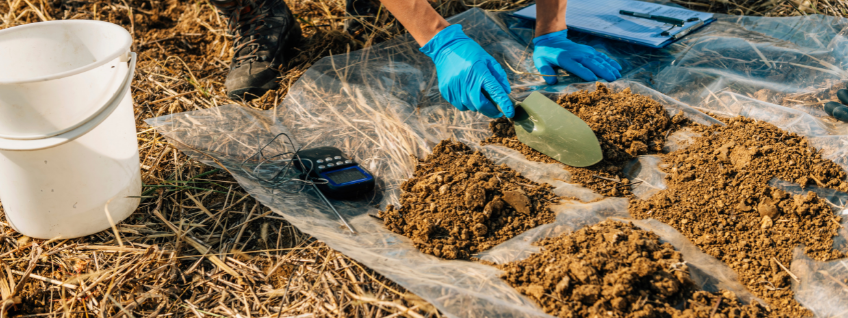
<point x="265" y="34"/>
<point x="357" y="12"/>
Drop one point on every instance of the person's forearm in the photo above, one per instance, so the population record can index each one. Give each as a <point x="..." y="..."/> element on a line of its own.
<point x="419" y="18"/>
<point x="550" y="16"/>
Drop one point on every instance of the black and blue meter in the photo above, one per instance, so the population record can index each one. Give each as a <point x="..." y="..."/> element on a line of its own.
<point x="346" y="179"/>
<point x="327" y="170"/>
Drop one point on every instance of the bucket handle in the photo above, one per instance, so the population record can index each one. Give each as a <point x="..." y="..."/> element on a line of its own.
<point x="116" y="98"/>
<point x="84" y="127"/>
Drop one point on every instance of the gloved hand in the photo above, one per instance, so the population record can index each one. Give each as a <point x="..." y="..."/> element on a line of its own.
<point x="464" y="68"/>
<point x="555" y="50"/>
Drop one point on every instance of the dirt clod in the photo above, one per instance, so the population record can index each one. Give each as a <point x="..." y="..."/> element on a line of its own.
<point x="518" y="201"/>
<point x="626" y="124"/>
<point x="767" y="208"/>
<point x="459" y="203"/>
<point x="613" y="269"/>
<point x="767" y="222"/>
<point x="718" y="196"/>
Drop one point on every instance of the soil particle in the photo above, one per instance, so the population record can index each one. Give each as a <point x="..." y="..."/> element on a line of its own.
<point x="626" y="124"/>
<point x="459" y="203"/>
<point x="518" y="201"/>
<point x="767" y="222"/>
<point x="767" y="208"/>
<point x="614" y="269"/>
<point x="718" y="197"/>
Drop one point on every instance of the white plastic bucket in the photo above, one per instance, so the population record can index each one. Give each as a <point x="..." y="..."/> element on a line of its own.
<point x="68" y="147"/>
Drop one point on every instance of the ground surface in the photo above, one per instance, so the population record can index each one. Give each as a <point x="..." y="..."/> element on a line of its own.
<point x="718" y="196"/>
<point x="198" y="244"/>
<point x="196" y="226"/>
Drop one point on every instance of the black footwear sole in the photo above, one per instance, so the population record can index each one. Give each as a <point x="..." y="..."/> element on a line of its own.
<point x="251" y="93"/>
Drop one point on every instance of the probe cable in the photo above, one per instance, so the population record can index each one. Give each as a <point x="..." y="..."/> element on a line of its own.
<point x="280" y="180"/>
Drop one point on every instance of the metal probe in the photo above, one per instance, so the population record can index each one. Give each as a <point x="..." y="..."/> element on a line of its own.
<point x="333" y="207"/>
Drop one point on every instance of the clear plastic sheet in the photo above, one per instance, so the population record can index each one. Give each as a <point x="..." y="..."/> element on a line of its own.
<point x="820" y="286"/>
<point x="569" y="217"/>
<point x="549" y="173"/>
<point x="648" y="179"/>
<point x="382" y="106"/>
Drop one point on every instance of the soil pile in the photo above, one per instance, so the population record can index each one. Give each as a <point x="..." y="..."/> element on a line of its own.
<point x="718" y="196"/>
<point x="626" y="124"/>
<point x="614" y="269"/>
<point x="458" y="203"/>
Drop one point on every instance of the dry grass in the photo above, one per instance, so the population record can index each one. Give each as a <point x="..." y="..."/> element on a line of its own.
<point x="199" y="245"/>
<point x="770" y="8"/>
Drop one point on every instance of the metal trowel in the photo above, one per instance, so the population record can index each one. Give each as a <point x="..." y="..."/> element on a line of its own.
<point x="547" y="127"/>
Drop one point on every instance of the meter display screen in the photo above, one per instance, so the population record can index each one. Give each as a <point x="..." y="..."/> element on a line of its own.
<point x="345" y="176"/>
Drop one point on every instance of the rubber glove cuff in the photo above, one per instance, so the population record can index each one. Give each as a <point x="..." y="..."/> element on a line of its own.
<point x="443" y="40"/>
<point x="540" y="40"/>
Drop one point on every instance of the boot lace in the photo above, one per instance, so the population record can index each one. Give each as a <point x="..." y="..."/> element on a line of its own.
<point x="246" y="21"/>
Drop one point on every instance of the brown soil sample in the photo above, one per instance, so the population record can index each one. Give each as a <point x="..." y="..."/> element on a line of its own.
<point x="613" y="269"/>
<point x="626" y="124"/>
<point x="718" y="197"/>
<point x="458" y="203"/>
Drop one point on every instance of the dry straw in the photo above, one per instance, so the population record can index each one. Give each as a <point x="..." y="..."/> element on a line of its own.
<point x="199" y="246"/>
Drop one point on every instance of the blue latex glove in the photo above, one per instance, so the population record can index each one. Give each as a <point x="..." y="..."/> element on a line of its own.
<point x="464" y="68"/>
<point x="555" y="50"/>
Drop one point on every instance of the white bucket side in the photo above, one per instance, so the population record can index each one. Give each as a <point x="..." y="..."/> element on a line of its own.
<point x="52" y="107"/>
<point x="54" y="75"/>
<point x="63" y="191"/>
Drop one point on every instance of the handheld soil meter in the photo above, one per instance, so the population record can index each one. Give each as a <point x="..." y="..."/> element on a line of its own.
<point x="326" y="169"/>
<point x="346" y="179"/>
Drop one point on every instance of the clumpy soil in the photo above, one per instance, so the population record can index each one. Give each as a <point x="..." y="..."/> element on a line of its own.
<point x="614" y="269"/>
<point x="626" y="124"/>
<point x="718" y="197"/>
<point x="459" y="203"/>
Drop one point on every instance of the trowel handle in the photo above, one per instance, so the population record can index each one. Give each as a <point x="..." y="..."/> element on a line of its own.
<point x="489" y="97"/>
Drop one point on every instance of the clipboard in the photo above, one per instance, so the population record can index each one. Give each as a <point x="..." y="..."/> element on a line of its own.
<point x="602" y="18"/>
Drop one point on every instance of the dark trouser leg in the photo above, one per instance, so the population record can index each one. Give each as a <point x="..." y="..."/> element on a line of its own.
<point x="360" y="15"/>
<point x="226" y="6"/>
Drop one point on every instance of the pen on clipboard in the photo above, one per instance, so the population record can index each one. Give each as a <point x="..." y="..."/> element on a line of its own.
<point x="659" y="18"/>
<point x="673" y="21"/>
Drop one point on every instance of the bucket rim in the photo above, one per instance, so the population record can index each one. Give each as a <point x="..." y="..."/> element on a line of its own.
<point x="123" y="94"/>
<point x="125" y="48"/>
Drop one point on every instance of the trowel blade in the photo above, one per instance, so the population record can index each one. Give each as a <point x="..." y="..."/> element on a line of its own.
<point x="547" y="127"/>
